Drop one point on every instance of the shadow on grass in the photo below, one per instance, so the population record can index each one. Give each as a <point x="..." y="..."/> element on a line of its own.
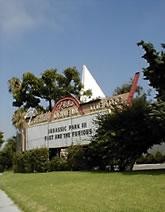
<point x="146" y="172"/>
<point x="135" y="172"/>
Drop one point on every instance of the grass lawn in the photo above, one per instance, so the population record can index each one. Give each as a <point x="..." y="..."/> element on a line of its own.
<point x="86" y="191"/>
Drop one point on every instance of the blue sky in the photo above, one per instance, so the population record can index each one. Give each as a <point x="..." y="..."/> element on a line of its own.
<point x="102" y="34"/>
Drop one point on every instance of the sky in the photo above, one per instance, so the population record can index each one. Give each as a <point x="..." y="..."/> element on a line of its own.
<point x="102" y="34"/>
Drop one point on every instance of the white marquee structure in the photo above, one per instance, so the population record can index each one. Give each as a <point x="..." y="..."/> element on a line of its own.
<point x="89" y="83"/>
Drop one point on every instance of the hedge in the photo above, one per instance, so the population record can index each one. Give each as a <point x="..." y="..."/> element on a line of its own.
<point x="36" y="160"/>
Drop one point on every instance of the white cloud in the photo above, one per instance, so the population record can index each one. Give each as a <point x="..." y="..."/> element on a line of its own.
<point x="17" y="16"/>
<point x="21" y="16"/>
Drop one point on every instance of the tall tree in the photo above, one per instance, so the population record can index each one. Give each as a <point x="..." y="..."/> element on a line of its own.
<point x="123" y="135"/>
<point x="18" y="120"/>
<point x="155" y="72"/>
<point x="26" y="91"/>
<point x="50" y="87"/>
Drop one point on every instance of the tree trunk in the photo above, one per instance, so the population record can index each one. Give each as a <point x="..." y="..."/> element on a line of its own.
<point x="23" y="138"/>
<point x="50" y="105"/>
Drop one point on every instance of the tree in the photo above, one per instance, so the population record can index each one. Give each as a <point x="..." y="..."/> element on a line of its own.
<point x="18" y="120"/>
<point x="1" y="138"/>
<point x="50" y="87"/>
<point x="155" y="72"/>
<point x="72" y="81"/>
<point x="26" y="91"/>
<point x="124" y="88"/>
<point x="55" y="85"/>
<point x="123" y="135"/>
<point x="7" y="153"/>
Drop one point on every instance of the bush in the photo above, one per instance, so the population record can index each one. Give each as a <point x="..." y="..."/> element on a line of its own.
<point x="31" y="161"/>
<point x="18" y="162"/>
<point x="76" y="158"/>
<point x="149" y="158"/>
<point x="2" y="162"/>
<point x="6" y="154"/>
<point x="58" y="164"/>
<point x="159" y="157"/>
<point x="141" y="160"/>
<point x="39" y="160"/>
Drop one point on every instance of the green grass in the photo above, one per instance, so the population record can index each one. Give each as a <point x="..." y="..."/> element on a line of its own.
<point x="87" y="192"/>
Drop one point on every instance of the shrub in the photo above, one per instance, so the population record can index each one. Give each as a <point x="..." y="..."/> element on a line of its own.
<point x="76" y="158"/>
<point x="6" y="154"/>
<point x="2" y="162"/>
<point x="18" y="162"/>
<point x="31" y="161"/>
<point x="39" y="160"/>
<point x="150" y="158"/>
<point x="141" y="160"/>
<point x="58" y="164"/>
<point x="159" y="157"/>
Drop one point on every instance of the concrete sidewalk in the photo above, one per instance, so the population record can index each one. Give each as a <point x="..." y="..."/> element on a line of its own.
<point x="148" y="166"/>
<point x="6" y="204"/>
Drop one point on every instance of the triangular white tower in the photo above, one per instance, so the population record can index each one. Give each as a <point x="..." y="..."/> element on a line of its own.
<point x="89" y="83"/>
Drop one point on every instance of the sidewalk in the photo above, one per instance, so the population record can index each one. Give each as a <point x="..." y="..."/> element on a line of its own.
<point x="6" y="204"/>
<point x="148" y="166"/>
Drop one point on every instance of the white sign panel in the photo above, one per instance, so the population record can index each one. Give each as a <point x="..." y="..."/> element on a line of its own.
<point x="62" y="133"/>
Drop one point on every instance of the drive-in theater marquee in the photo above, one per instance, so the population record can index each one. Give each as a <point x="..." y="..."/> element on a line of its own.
<point x="69" y="122"/>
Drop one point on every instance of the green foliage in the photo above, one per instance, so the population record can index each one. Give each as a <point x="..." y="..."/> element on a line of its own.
<point x="158" y="157"/>
<point x="18" y="162"/>
<point x="18" y="119"/>
<point x="26" y="91"/>
<point x="1" y="138"/>
<point x="124" y="135"/>
<point x="157" y="120"/>
<point x="51" y="86"/>
<point x="2" y="161"/>
<point x="31" y="161"/>
<point x="125" y="88"/>
<point x="155" y="72"/>
<point x="141" y="159"/>
<point x="58" y="164"/>
<point x="149" y="158"/>
<point x="7" y="154"/>
<point x="76" y="158"/>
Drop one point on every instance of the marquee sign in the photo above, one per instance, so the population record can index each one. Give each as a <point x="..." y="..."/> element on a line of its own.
<point x="66" y="107"/>
<point x="66" y="102"/>
<point x="69" y="122"/>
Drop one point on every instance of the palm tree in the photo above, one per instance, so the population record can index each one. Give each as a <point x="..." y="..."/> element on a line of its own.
<point x="19" y="122"/>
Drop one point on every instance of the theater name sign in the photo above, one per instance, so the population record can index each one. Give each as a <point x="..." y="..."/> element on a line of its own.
<point x="70" y="122"/>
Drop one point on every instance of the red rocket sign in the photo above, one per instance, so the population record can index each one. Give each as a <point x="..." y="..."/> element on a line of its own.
<point x="133" y="87"/>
